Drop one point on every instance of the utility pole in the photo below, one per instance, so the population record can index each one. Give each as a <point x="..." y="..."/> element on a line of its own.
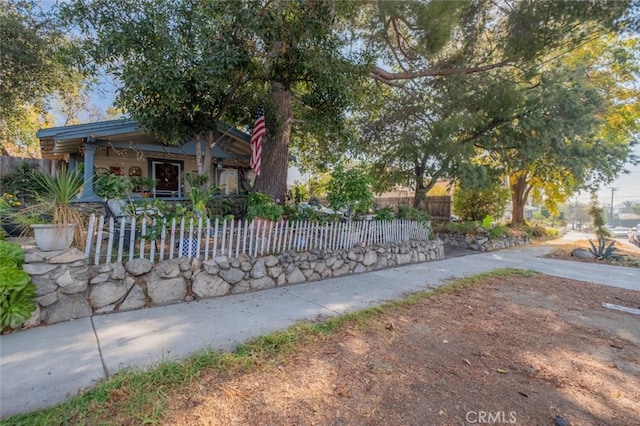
<point x="612" y="191"/>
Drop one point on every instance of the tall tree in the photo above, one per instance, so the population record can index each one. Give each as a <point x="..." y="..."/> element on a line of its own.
<point x="186" y="64"/>
<point x="409" y="138"/>
<point x="571" y="125"/>
<point x="32" y="69"/>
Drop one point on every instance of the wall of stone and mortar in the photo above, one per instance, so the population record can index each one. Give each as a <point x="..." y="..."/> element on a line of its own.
<point x="68" y="287"/>
<point x="481" y="242"/>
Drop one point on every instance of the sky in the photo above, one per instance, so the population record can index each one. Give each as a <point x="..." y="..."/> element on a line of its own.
<point x="627" y="187"/>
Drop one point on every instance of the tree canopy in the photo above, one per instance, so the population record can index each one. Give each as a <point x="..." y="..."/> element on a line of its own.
<point x="37" y="76"/>
<point x="451" y="74"/>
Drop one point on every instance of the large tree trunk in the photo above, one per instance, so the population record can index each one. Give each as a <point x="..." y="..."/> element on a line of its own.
<point x="420" y="199"/>
<point x="275" y="151"/>
<point x="203" y="155"/>
<point x="519" y="194"/>
<point x="208" y="154"/>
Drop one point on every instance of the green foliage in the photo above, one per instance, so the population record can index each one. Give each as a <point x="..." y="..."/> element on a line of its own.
<point x="385" y="213"/>
<point x="536" y="231"/>
<point x="11" y="253"/>
<point x="498" y="231"/>
<point x="143" y="183"/>
<point x="312" y="214"/>
<point x="17" y="293"/>
<point x="112" y="187"/>
<point x="410" y="213"/>
<point x="185" y="65"/>
<point x="487" y="222"/>
<point x="350" y="189"/>
<point x="61" y="189"/>
<point x="23" y="182"/>
<point x="261" y="205"/>
<point x="222" y="206"/>
<point x="476" y="204"/>
<point x="300" y="192"/>
<point x="200" y="194"/>
<point x="33" y="69"/>
<point x="604" y="250"/>
<point x="552" y="232"/>
<point x="598" y="216"/>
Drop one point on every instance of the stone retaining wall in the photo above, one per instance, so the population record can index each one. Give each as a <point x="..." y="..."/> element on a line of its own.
<point x="68" y="288"/>
<point x="481" y="242"/>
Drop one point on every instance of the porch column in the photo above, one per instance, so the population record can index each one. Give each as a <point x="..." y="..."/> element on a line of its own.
<point x="87" y="189"/>
<point x="73" y="162"/>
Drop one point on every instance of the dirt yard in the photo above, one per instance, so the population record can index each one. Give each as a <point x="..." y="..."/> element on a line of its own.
<point x="512" y="350"/>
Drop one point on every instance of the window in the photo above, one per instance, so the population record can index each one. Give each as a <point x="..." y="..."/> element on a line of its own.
<point x="229" y="181"/>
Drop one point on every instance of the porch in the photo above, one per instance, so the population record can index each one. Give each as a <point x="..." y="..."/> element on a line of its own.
<point x="122" y="148"/>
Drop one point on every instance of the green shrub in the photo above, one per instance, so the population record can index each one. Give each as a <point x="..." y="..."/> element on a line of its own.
<point x="385" y="213"/>
<point x="463" y="228"/>
<point x="23" y="182"/>
<point x="11" y="252"/>
<point x="476" y="204"/>
<point x="498" y="231"/>
<point x="17" y="293"/>
<point x="537" y="231"/>
<point x="112" y="186"/>
<point x="312" y="215"/>
<point x="262" y="205"/>
<point x="410" y="213"/>
<point x="350" y="189"/>
<point x="553" y="232"/>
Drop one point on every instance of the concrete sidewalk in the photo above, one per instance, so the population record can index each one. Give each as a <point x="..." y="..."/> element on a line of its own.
<point x="44" y="366"/>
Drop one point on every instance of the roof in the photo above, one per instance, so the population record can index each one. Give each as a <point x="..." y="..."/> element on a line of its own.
<point x="126" y="133"/>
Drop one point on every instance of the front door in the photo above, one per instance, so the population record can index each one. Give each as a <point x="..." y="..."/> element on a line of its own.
<point x="167" y="175"/>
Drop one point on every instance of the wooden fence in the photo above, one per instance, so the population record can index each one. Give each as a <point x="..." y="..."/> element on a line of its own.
<point x="110" y="240"/>
<point x="439" y="207"/>
<point x="48" y="166"/>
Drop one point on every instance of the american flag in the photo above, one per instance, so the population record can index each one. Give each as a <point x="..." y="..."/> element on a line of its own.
<point x="259" y="130"/>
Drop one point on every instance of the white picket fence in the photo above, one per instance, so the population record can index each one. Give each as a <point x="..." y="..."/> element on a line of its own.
<point x="128" y="238"/>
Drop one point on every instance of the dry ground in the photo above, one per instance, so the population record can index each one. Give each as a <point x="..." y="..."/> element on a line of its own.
<point x="510" y="350"/>
<point x="562" y="250"/>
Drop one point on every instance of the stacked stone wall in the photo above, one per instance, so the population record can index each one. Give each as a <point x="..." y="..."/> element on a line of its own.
<point x="68" y="287"/>
<point x="481" y="242"/>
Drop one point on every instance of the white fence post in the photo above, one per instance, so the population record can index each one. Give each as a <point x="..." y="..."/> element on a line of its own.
<point x="255" y="238"/>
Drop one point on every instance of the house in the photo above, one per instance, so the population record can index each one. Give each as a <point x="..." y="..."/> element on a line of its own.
<point x="122" y="147"/>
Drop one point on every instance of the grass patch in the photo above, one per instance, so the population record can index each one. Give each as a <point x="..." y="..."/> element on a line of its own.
<point x="134" y="397"/>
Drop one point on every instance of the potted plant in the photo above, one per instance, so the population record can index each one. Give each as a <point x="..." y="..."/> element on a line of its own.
<point x="65" y="224"/>
<point x="144" y="185"/>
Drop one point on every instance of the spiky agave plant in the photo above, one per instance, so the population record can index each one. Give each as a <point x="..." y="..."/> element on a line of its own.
<point x="55" y="199"/>
<point x="602" y="250"/>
